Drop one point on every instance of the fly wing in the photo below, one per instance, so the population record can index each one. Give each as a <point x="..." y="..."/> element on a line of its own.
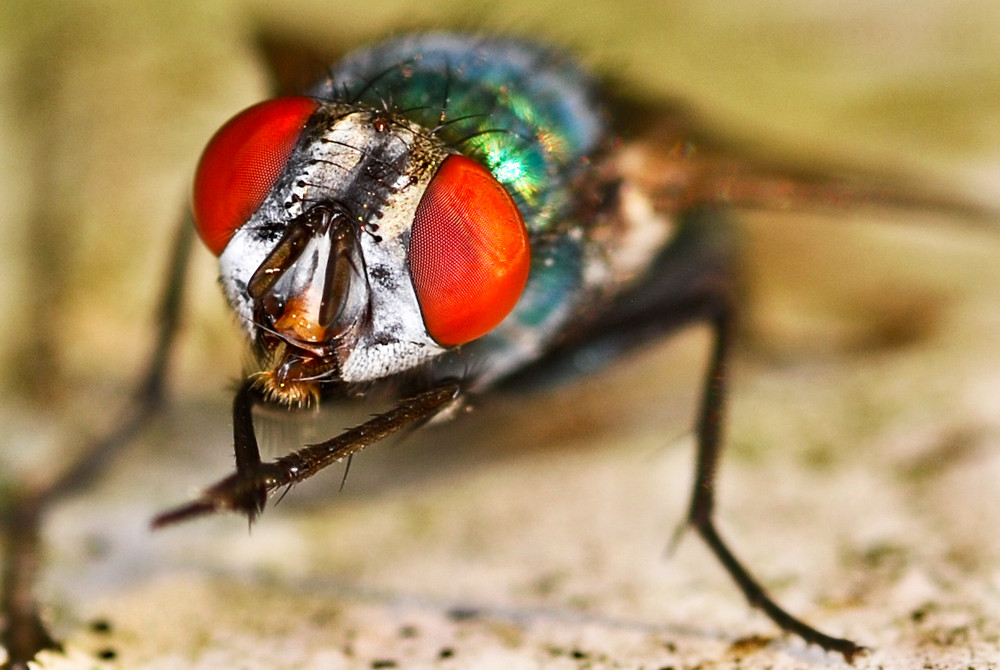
<point x="682" y="167"/>
<point x="293" y="64"/>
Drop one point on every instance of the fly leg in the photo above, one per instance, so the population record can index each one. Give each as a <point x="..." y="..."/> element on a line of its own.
<point x="246" y="490"/>
<point x="23" y="634"/>
<point x="719" y="310"/>
<point x="693" y="281"/>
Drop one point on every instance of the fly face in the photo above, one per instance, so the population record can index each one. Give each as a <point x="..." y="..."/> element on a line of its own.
<point x="354" y="244"/>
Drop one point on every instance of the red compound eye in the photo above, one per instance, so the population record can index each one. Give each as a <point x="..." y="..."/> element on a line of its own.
<point x="241" y="163"/>
<point x="469" y="254"/>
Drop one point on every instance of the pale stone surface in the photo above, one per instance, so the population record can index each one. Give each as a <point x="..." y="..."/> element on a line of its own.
<point x="865" y="419"/>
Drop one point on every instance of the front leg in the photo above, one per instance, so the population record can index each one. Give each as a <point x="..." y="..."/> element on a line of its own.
<point x="247" y="490"/>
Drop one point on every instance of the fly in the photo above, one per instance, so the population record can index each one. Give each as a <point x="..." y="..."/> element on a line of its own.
<point x="443" y="216"/>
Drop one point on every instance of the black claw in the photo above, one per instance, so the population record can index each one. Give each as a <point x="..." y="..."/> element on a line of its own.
<point x="847" y="649"/>
<point x="246" y="494"/>
<point x="183" y="513"/>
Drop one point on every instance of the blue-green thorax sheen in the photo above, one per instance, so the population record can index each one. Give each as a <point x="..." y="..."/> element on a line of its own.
<point x="527" y="113"/>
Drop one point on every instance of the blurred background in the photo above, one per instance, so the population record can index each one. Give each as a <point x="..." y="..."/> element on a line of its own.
<point x="864" y="422"/>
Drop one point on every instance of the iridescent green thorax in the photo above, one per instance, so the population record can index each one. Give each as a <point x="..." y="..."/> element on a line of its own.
<point x="526" y="113"/>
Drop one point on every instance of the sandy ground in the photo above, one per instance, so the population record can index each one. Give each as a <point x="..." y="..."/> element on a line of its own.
<point x="864" y="436"/>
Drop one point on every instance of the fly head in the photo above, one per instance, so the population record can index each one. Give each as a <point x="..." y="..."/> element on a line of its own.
<point x="354" y="244"/>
